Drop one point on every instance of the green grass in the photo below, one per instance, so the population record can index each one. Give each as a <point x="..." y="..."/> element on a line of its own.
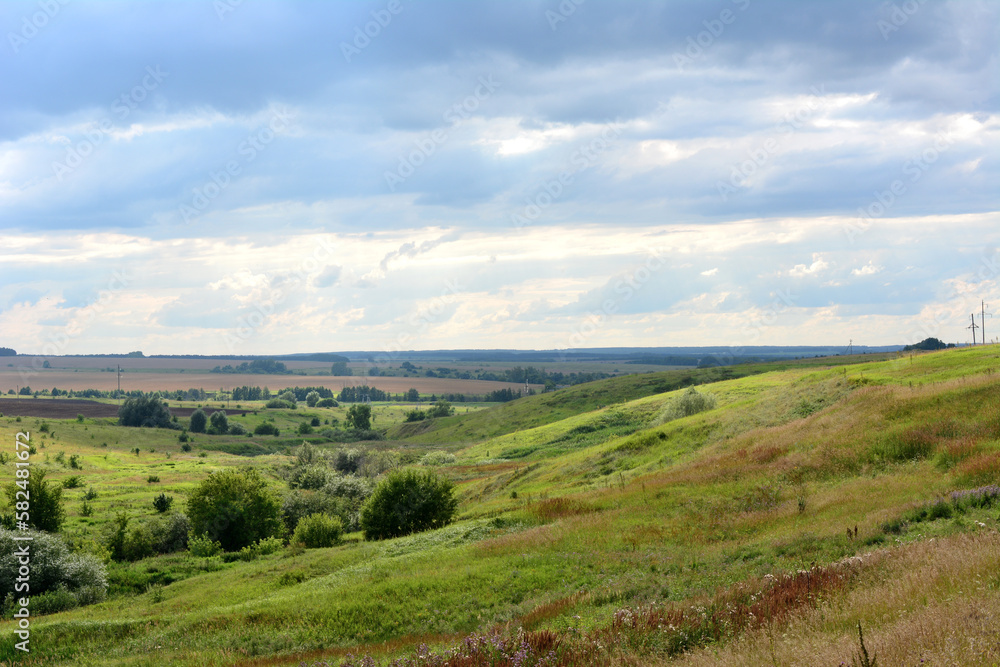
<point x="574" y="505"/>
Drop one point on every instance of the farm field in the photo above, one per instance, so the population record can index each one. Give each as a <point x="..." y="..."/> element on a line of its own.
<point x="10" y="380"/>
<point x="604" y="523"/>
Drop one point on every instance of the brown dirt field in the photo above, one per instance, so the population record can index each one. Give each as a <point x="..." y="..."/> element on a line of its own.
<point x="10" y="378"/>
<point x="139" y="363"/>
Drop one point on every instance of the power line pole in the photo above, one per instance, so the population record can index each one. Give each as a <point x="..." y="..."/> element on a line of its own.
<point x="119" y="384"/>
<point x="974" y="326"/>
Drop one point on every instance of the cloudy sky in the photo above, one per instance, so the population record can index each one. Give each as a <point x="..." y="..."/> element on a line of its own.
<point x="272" y="177"/>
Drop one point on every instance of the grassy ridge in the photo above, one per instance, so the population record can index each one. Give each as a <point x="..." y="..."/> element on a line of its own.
<point x="585" y="510"/>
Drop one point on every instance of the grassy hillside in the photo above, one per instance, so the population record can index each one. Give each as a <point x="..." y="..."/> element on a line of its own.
<point x="597" y="526"/>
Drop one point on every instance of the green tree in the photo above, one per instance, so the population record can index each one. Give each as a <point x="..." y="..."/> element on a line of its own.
<point x="43" y="504"/>
<point x="340" y="368"/>
<point x="359" y="416"/>
<point x="146" y="410"/>
<point x="219" y="422"/>
<point x="407" y="502"/>
<point x="312" y="398"/>
<point x="412" y="395"/>
<point x="235" y="508"/>
<point x="440" y="409"/>
<point x="199" y="420"/>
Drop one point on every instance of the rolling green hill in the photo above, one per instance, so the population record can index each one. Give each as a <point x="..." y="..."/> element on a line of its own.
<point x="601" y="526"/>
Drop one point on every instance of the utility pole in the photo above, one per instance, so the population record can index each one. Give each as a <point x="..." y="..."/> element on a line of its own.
<point x="119" y="385"/>
<point x="974" y="326"/>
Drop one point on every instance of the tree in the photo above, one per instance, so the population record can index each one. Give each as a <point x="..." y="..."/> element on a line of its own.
<point x="312" y="398"/>
<point x="407" y="502"/>
<point x="927" y="344"/>
<point x="162" y="502"/>
<point x="340" y="368"/>
<point x="359" y="416"/>
<point x="145" y="410"/>
<point x="43" y="504"/>
<point x="235" y="508"/>
<point x="198" y="421"/>
<point x="219" y="422"/>
<point x="441" y="409"/>
<point x="412" y="395"/>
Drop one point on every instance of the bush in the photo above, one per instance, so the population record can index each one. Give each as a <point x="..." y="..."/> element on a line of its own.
<point x="308" y="477"/>
<point x="199" y="421"/>
<point x="437" y="458"/>
<point x="144" y="411"/>
<point x="46" y="512"/>
<point x="218" y="423"/>
<point x="314" y="422"/>
<point x="234" y="506"/>
<point x="359" y="416"/>
<point x="305" y="428"/>
<point x="153" y="479"/>
<point x="170" y="533"/>
<point x="318" y="531"/>
<point x="162" y="503"/>
<point x="267" y="428"/>
<point x="288" y="397"/>
<point x="52" y="567"/>
<point x="236" y="428"/>
<point x="72" y="482"/>
<point x="312" y="398"/>
<point x="203" y="546"/>
<point x="691" y="402"/>
<point x="326" y="403"/>
<point x="416" y="415"/>
<point x="408" y="502"/>
<point x="440" y="409"/>
<point x="185" y="447"/>
<point x="347" y="460"/>
<point x="280" y="404"/>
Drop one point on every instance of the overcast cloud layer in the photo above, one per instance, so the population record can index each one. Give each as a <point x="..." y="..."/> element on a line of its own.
<point x="262" y="177"/>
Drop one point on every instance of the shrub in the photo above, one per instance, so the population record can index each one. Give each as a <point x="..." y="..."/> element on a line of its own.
<point x="185" y="447"/>
<point x="152" y="479"/>
<point x="359" y="416"/>
<point x="90" y="494"/>
<point x="691" y="402"/>
<point x="235" y="506"/>
<point x="146" y="410"/>
<point x="183" y="437"/>
<point x="312" y="398"/>
<point x="318" y="531"/>
<point x="203" y="546"/>
<point x="236" y="428"/>
<point x="299" y="504"/>
<point x="162" y="502"/>
<point x="305" y="428"/>
<point x="407" y="502"/>
<point x="170" y="533"/>
<point x="440" y="409"/>
<point x="416" y="415"/>
<point x="72" y="482"/>
<point x="314" y="422"/>
<point x="437" y="458"/>
<point x="199" y="421"/>
<point x="326" y="403"/>
<point x="266" y="428"/>
<point x="308" y="477"/>
<point x="52" y="567"/>
<point x="347" y="460"/>
<point x="47" y="512"/>
<point x="280" y="404"/>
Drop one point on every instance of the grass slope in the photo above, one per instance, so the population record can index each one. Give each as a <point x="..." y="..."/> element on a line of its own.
<point x="602" y="530"/>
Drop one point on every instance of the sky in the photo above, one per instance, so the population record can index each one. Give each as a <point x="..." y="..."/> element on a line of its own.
<point x="254" y="177"/>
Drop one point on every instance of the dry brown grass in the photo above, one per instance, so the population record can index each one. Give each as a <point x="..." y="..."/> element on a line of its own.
<point x="936" y="601"/>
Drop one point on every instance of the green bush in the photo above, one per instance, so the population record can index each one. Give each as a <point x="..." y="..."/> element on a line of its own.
<point x="407" y="501"/>
<point x="691" y="402"/>
<point x="266" y="428"/>
<point x="203" y="546"/>
<point x="218" y="423"/>
<point x="146" y="410"/>
<point x="235" y="428"/>
<point x="308" y="477"/>
<point x="47" y="512"/>
<point x="318" y="531"/>
<point x="162" y="502"/>
<point x="53" y="567"/>
<point x="312" y="398"/>
<point x="326" y="403"/>
<point x="437" y="458"/>
<point x="305" y="428"/>
<point x="235" y="507"/>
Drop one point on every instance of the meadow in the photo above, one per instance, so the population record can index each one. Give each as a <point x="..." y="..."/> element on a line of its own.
<point x="597" y="525"/>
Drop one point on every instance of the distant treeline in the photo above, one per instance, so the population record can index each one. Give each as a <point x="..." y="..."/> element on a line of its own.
<point x="255" y="367"/>
<point x="7" y="352"/>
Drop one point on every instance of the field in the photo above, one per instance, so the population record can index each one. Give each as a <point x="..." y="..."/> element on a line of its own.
<point x="598" y="524"/>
